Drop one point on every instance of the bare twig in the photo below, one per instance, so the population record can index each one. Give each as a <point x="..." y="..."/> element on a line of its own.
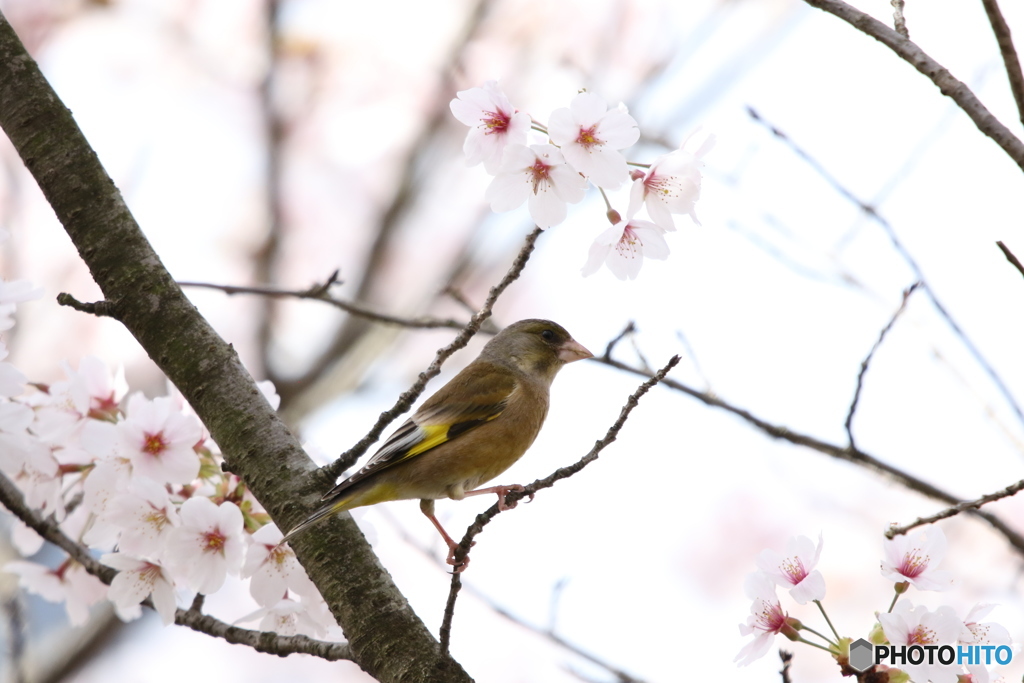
<point x="1011" y="258"/>
<point x="890" y="232"/>
<point x="318" y="292"/>
<point x="409" y="397"/>
<point x="14" y="614"/>
<point x="630" y="328"/>
<point x="848" y="454"/>
<point x="787" y="657"/>
<point x="986" y="122"/>
<point x="899" y="22"/>
<point x="266" y="258"/>
<point x="867" y="361"/>
<point x="98" y="308"/>
<point x="261" y="641"/>
<point x="1010" y="490"/>
<point x="514" y="496"/>
<point x="1010" y="59"/>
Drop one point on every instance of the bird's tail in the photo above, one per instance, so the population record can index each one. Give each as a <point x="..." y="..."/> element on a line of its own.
<point x="323" y="512"/>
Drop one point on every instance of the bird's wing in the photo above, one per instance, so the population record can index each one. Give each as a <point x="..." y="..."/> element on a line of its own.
<point x="468" y="401"/>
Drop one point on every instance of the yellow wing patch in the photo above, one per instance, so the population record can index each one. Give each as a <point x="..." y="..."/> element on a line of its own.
<point x="433" y="435"/>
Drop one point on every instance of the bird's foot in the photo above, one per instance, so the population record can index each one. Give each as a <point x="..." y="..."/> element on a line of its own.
<point x="457" y="566"/>
<point x="502" y="491"/>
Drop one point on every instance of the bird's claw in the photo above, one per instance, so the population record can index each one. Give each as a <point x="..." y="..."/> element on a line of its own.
<point x="458" y="566"/>
<point x="504" y="491"/>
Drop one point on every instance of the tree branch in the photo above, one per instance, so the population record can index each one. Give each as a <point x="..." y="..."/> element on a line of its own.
<point x="947" y="84"/>
<point x="1012" y="489"/>
<point x="374" y="614"/>
<point x="515" y="496"/>
<point x="867" y="361"/>
<point x="1008" y="51"/>
<point x="319" y="293"/>
<point x="1010" y="257"/>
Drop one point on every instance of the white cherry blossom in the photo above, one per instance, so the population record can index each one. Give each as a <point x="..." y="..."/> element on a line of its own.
<point x="537" y="174"/>
<point x="493" y="121"/>
<point x="69" y="583"/>
<point x="146" y="517"/>
<point x="909" y="625"/>
<point x="766" y="618"/>
<point x="624" y="246"/>
<point x="795" y="570"/>
<point x="671" y="185"/>
<point x="208" y="545"/>
<point x="137" y="580"/>
<point x="590" y="136"/>
<point x="159" y="440"/>
<point x="274" y="568"/>
<point x="915" y="558"/>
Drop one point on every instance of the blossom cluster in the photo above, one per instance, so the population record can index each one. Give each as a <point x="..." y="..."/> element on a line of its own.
<point x="909" y="561"/>
<point x="138" y="481"/>
<point x="580" y="145"/>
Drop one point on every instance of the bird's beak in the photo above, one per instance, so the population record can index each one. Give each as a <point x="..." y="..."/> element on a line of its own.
<point x="573" y="350"/>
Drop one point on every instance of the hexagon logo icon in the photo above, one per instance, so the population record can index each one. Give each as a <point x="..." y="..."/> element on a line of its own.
<point x="862" y="655"/>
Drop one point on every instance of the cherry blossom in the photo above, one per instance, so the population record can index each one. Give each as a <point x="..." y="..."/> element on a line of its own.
<point x="539" y="174"/>
<point x="624" y="246"/>
<point x="274" y="568"/>
<point x="671" y="185"/>
<point x="916" y="558"/>
<point x="146" y="517"/>
<point x="493" y="123"/>
<point x="765" y="621"/>
<point x="137" y="580"/>
<point x="40" y="479"/>
<point x="208" y="545"/>
<point x="12" y="381"/>
<point x="590" y="136"/>
<point x="287" y="618"/>
<point x="12" y="293"/>
<point x="159" y="440"/>
<point x="796" y="569"/>
<point x="975" y="633"/>
<point x="909" y="625"/>
<point x="69" y="583"/>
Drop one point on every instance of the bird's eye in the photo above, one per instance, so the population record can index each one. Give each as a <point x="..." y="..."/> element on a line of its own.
<point x="548" y="335"/>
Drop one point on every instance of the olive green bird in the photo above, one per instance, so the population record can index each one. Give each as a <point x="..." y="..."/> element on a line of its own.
<point x="473" y="429"/>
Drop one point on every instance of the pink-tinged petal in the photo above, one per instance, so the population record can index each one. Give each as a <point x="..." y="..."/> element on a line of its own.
<point x="652" y="243"/>
<point x="661" y="216"/>
<point x="562" y="128"/>
<point x="755" y="649"/>
<point x="569" y="185"/>
<point x="164" y="600"/>
<point x="618" y="129"/>
<point x="636" y="199"/>
<point x="595" y="258"/>
<point x="587" y="108"/>
<point x="810" y="589"/>
<point x="622" y="266"/>
<point x="507" y="191"/>
<point x="546" y="207"/>
<point x="603" y="166"/>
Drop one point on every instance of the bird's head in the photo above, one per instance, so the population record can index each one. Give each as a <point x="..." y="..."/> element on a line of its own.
<point x="536" y="346"/>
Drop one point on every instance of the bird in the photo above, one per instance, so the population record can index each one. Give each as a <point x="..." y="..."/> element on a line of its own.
<point x="467" y="433"/>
